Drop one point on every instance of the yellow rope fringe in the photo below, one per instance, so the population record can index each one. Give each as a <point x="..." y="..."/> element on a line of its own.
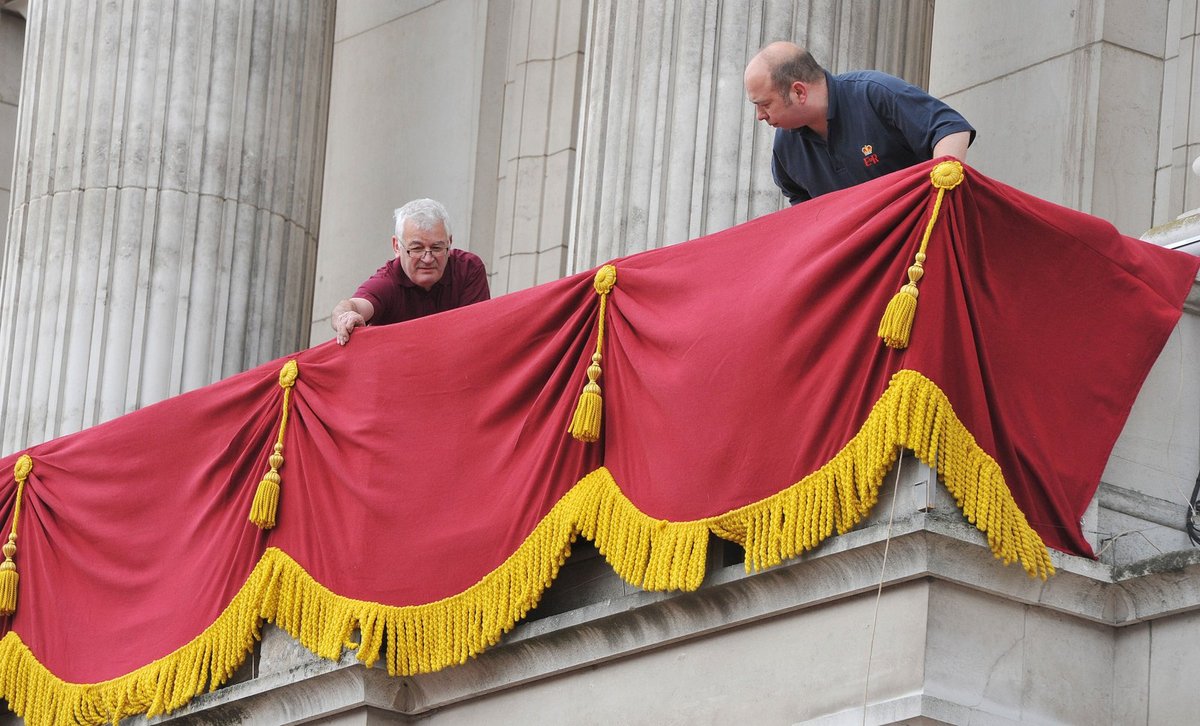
<point x="8" y="569"/>
<point x="653" y="554"/>
<point x="266" y="498"/>
<point x="585" y="424"/>
<point x="896" y="326"/>
<point x="913" y="413"/>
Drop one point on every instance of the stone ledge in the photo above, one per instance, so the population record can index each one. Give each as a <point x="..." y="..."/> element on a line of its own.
<point x="937" y="544"/>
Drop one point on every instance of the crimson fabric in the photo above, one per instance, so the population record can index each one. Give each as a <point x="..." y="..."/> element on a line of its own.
<point x="397" y="298"/>
<point x="734" y="365"/>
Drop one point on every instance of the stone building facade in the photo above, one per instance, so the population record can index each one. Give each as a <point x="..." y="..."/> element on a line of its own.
<point x="195" y="184"/>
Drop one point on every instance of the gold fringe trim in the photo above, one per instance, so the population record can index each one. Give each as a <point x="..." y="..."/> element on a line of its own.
<point x="653" y="554"/>
<point x="913" y="413"/>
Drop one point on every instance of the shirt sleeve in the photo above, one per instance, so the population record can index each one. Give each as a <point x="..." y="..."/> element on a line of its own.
<point x="475" y="282"/>
<point x="922" y="119"/>
<point x="379" y="290"/>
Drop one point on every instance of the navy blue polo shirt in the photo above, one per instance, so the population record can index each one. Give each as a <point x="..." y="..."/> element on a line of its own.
<point x="877" y="124"/>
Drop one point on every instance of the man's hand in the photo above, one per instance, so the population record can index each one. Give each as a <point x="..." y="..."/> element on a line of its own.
<point x="348" y="315"/>
<point x="345" y="322"/>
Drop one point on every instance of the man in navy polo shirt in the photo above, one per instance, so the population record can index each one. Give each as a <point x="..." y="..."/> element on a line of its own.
<point x="426" y="275"/>
<point x="833" y="132"/>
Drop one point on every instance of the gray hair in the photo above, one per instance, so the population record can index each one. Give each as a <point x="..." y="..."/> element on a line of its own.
<point x="424" y="213"/>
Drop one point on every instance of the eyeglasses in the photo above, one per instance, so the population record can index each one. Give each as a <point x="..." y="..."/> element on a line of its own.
<point x="418" y="253"/>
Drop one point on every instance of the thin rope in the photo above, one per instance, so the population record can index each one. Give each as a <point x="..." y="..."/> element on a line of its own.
<point x="879" y="590"/>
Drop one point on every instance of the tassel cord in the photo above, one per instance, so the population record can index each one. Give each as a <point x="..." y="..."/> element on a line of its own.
<point x="12" y="535"/>
<point x="266" y="499"/>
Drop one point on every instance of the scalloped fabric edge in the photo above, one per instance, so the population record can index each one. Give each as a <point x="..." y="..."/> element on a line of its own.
<point x="650" y="553"/>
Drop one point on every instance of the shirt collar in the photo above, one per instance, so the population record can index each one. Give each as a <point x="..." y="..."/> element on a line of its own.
<point x="831" y="96"/>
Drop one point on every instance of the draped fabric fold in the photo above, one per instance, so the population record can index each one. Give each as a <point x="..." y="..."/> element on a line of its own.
<point x="431" y="488"/>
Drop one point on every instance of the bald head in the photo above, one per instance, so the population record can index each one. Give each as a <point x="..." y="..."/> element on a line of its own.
<point x="787" y="87"/>
<point x="785" y="63"/>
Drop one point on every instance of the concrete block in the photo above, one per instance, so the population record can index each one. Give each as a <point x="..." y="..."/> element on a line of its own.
<point x="572" y="23"/>
<point x="1067" y="669"/>
<point x="1193" y="46"/>
<point x="527" y="206"/>
<point x="1126" y="138"/>
<point x="1040" y="146"/>
<point x="556" y="198"/>
<point x="1167" y="131"/>
<point x="510" y="126"/>
<point x="535" y="107"/>
<point x="498" y="275"/>
<point x="1136" y="26"/>
<point x="518" y="32"/>
<point x="1172" y="684"/>
<point x="975" y="650"/>
<point x="543" y="29"/>
<point x="8" y="143"/>
<point x="506" y="199"/>
<point x="1125" y="538"/>
<point x="355" y="18"/>
<point x="1189" y="17"/>
<point x="781" y="670"/>
<point x="12" y="45"/>
<point x="551" y="264"/>
<point x="564" y="103"/>
<point x="522" y="271"/>
<point x="1131" y="675"/>
<point x="1162" y="196"/>
<point x="978" y="42"/>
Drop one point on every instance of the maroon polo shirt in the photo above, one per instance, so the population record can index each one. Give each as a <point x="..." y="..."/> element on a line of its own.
<point x="396" y="298"/>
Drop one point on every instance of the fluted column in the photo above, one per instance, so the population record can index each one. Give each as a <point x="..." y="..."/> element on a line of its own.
<point x="12" y="43"/>
<point x="669" y="149"/>
<point x="165" y="202"/>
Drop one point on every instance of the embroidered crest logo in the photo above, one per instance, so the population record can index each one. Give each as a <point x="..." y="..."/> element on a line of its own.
<point x="869" y="157"/>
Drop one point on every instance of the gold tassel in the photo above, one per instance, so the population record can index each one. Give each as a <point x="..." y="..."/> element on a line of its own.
<point x="896" y="326"/>
<point x="8" y="569"/>
<point x="585" y="424"/>
<point x="266" y="499"/>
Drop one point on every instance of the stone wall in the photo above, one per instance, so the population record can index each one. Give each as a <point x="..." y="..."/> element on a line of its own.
<point x="1087" y="104"/>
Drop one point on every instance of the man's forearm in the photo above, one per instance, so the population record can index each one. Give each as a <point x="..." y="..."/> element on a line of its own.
<point x="953" y="145"/>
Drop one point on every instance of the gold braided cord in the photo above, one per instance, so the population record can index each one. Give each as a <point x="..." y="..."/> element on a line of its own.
<point x="651" y="553"/>
<point x="895" y="328"/>
<point x="266" y="498"/>
<point x="589" y="411"/>
<point x="9" y="578"/>
<point x="21" y="472"/>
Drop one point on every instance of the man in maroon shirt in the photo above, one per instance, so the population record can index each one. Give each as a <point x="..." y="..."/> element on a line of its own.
<point x="426" y="276"/>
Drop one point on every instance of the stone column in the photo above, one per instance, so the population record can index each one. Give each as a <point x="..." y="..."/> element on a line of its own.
<point x="12" y="42"/>
<point x="165" y="204"/>
<point x="669" y="148"/>
<point x="537" y="142"/>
